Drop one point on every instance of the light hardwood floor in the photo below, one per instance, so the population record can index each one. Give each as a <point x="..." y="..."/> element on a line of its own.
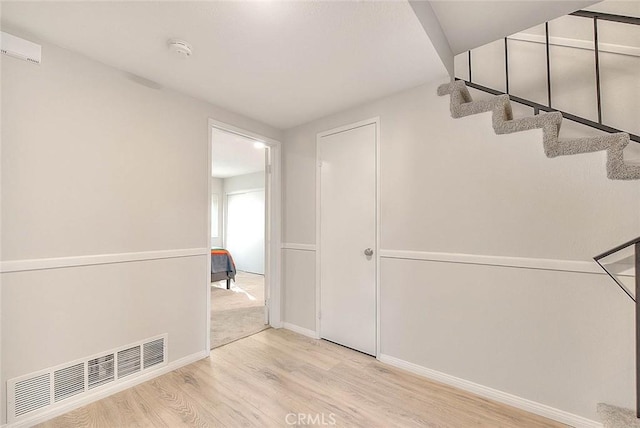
<point x="259" y="380"/>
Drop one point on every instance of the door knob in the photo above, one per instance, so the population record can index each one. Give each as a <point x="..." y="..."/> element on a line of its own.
<point x="368" y="252"/>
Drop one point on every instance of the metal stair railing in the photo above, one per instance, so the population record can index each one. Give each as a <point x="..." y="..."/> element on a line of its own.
<point x="537" y="107"/>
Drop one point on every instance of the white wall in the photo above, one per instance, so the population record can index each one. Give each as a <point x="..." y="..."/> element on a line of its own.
<point x="452" y="186"/>
<point x="217" y="188"/>
<point x="242" y="183"/>
<point x="253" y="261"/>
<point x="245" y="223"/>
<point x="95" y="164"/>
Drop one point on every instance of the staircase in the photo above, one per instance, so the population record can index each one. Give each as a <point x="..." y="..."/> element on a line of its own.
<point x="462" y="104"/>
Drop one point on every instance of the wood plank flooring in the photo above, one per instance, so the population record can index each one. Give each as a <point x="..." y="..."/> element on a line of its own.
<point x="277" y="378"/>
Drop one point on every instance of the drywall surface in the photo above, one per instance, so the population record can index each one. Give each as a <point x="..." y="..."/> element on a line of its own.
<point x="95" y="164"/>
<point x="469" y="24"/>
<point x="562" y="339"/>
<point x="429" y="21"/>
<point x="243" y="183"/>
<point x="299" y="271"/>
<point x="451" y="186"/>
<point x="217" y="191"/>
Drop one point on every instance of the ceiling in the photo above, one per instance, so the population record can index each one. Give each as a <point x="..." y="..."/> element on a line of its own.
<point x="282" y="63"/>
<point x="233" y="155"/>
<point x="470" y="24"/>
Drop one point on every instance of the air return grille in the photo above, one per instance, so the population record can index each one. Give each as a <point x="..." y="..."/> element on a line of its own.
<point x="32" y="394"/>
<point x="101" y="371"/>
<point x="153" y="353"/>
<point x="68" y="382"/>
<point x="128" y="361"/>
<point x="29" y="395"/>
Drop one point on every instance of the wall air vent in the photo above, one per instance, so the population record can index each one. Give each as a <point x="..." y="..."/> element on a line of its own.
<point x="154" y="353"/>
<point x="34" y="393"/>
<point x="128" y="361"/>
<point x="101" y="370"/>
<point x="68" y="382"/>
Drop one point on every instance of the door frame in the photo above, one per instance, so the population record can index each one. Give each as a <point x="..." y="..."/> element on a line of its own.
<point x="273" y="226"/>
<point x="372" y="121"/>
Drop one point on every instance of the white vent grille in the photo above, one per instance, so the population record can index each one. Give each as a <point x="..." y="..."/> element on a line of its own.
<point x="101" y="371"/>
<point x="68" y="382"/>
<point x="32" y="394"/>
<point x="128" y="361"/>
<point x="153" y="353"/>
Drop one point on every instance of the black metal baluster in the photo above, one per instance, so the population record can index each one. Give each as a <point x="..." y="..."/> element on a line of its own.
<point x="546" y="31"/>
<point x="506" y="65"/>
<point x="469" y="66"/>
<point x="637" y="300"/>
<point x="597" y="55"/>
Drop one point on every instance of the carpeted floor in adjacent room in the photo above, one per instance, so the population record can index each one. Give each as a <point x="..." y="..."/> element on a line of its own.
<point x="238" y="312"/>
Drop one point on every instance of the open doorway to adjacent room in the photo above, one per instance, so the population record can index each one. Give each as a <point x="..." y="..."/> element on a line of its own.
<point x="239" y="209"/>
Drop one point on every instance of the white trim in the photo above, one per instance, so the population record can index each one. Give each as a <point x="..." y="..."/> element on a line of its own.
<point x="371" y="121"/>
<point x="492" y="394"/>
<point x="377" y="249"/>
<point x="97" y="259"/>
<point x="349" y="127"/>
<point x="273" y="220"/>
<point x="318" y="234"/>
<point x="221" y="231"/>
<point x="515" y="262"/>
<point x="577" y="44"/>
<point x="301" y="247"/>
<point x="71" y="404"/>
<point x="300" y="330"/>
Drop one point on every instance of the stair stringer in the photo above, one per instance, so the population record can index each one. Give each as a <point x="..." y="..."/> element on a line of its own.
<point x="462" y="104"/>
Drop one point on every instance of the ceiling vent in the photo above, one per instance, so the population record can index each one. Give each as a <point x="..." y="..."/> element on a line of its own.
<point x="37" y="392"/>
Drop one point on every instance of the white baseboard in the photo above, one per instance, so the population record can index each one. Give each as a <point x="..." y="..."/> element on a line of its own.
<point x="98" y="395"/>
<point x="493" y="394"/>
<point x="301" y="330"/>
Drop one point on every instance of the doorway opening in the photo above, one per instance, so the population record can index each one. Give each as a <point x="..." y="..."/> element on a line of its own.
<point x="241" y="217"/>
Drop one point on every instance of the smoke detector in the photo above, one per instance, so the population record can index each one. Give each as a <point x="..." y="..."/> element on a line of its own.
<point x="180" y="47"/>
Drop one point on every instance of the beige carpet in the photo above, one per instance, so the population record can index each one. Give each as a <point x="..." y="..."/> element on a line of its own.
<point x="238" y="312"/>
<point x="617" y="417"/>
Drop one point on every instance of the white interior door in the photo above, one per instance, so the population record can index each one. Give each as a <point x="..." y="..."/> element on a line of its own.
<point x="245" y="230"/>
<point x="347" y="232"/>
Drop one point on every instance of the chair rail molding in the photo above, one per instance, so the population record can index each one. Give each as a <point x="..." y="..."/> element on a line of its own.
<point x="296" y="246"/>
<point x="97" y="259"/>
<point x="502" y="261"/>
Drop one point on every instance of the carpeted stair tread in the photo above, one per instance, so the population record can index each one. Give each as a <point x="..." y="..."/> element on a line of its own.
<point x="617" y="417"/>
<point x="462" y="104"/>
